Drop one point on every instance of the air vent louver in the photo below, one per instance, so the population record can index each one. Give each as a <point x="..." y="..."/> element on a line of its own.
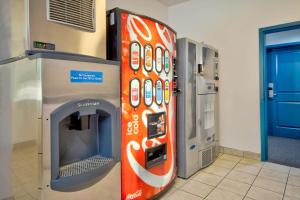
<point x="206" y="157"/>
<point x="79" y="13"/>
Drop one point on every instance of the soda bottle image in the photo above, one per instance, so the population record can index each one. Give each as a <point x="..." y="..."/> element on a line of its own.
<point x="159" y="92"/>
<point x="135" y="56"/>
<point x="148" y="58"/>
<point x="167" y="92"/>
<point x="167" y="61"/>
<point x="134" y="92"/>
<point x="148" y="92"/>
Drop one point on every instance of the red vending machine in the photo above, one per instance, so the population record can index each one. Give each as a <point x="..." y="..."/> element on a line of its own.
<point x="147" y="51"/>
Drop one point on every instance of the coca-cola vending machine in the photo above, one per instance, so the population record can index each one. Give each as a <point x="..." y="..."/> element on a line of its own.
<point x="147" y="51"/>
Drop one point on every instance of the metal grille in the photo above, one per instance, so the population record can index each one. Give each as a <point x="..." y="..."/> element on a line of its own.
<point x="84" y="166"/>
<point x="79" y="13"/>
<point x="206" y="157"/>
<point x="214" y="153"/>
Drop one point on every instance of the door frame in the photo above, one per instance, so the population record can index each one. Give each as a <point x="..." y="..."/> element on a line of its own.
<point x="263" y="77"/>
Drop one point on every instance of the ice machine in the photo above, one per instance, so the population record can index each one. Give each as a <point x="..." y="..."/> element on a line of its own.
<point x="60" y="133"/>
<point x="147" y="51"/>
<point x="52" y="25"/>
<point x="197" y="117"/>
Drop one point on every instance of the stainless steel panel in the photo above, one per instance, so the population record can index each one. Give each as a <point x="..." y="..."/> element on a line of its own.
<point x="206" y="79"/>
<point x="57" y="86"/>
<point x="206" y="120"/>
<point x="187" y="140"/>
<point x="30" y="90"/>
<point x="6" y="172"/>
<point x="25" y="21"/>
<point x="21" y="95"/>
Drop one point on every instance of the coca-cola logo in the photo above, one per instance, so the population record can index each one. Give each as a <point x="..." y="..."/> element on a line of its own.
<point x="134" y="195"/>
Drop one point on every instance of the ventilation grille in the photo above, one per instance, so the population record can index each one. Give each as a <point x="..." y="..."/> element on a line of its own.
<point x="206" y="157"/>
<point x="214" y="153"/>
<point x="84" y="166"/>
<point x="79" y="13"/>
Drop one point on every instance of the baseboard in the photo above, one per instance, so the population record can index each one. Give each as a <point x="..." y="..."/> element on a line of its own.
<point x="240" y="153"/>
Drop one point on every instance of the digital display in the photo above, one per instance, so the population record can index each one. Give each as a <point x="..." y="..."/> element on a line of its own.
<point x="156" y="124"/>
<point x="43" y="45"/>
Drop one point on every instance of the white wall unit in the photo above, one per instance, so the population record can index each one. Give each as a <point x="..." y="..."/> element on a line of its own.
<point x="232" y="27"/>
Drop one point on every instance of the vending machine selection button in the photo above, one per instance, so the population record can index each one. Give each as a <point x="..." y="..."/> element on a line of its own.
<point x="158" y="59"/>
<point x="148" y="92"/>
<point x="167" y="92"/>
<point x="158" y="92"/>
<point x="135" y="56"/>
<point x="167" y="61"/>
<point x="148" y="57"/>
<point x="135" y="93"/>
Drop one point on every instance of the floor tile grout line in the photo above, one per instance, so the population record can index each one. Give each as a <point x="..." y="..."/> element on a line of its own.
<point x="226" y="176"/>
<point x="188" y="180"/>
<point x="206" y="183"/>
<point x="286" y="183"/>
<point x="253" y="182"/>
<point x="222" y="179"/>
<point x="191" y="193"/>
<point x="270" y="180"/>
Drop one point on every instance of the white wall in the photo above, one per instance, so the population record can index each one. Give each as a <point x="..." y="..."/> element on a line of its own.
<point x="232" y="27"/>
<point x="151" y="8"/>
<point x="283" y="37"/>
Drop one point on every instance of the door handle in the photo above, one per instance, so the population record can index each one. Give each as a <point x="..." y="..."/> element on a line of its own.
<point x="271" y="93"/>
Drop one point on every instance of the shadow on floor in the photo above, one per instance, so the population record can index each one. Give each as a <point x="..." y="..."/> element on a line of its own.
<point x="284" y="151"/>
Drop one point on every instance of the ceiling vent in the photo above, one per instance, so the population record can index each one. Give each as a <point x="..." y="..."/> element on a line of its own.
<point x="78" y="13"/>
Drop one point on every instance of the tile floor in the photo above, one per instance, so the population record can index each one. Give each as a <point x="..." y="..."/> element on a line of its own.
<point x="25" y="173"/>
<point x="229" y="178"/>
<point x="236" y="178"/>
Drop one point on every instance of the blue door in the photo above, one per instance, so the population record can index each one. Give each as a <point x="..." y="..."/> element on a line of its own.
<point x="284" y="92"/>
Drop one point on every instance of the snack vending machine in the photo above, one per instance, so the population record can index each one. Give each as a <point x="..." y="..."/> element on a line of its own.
<point x="197" y="106"/>
<point x="147" y="51"/>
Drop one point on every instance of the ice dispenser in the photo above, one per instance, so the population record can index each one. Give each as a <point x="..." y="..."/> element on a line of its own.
<point x="83" y="147"/>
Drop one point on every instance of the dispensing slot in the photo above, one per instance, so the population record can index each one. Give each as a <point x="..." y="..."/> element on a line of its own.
<point x="156" y="155"/>
<point x="82" y="148"/>
<point x="156" y="124"/>
<point x="78" y="122"/>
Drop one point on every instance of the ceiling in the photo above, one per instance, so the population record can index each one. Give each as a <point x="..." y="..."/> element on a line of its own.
<point x="172" y="2"/>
